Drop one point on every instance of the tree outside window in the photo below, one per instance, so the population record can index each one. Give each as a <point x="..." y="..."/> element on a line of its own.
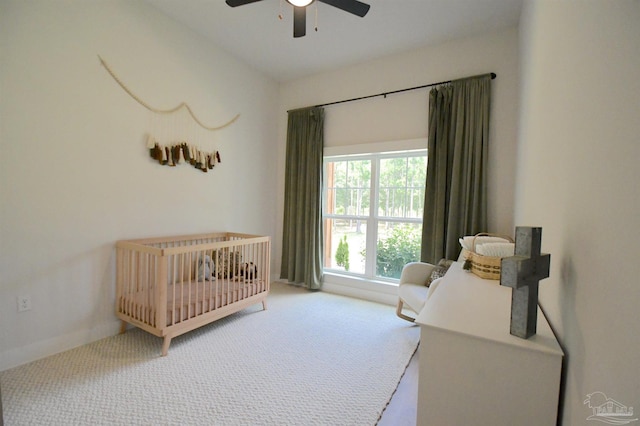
<point x="373" y="207"/>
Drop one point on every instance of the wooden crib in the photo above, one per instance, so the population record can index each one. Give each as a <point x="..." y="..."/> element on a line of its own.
<point x="169" y="286"/>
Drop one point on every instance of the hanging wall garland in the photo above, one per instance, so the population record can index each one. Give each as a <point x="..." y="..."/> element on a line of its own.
<point x="176" y="154"/>
<point x="173" y="153"/>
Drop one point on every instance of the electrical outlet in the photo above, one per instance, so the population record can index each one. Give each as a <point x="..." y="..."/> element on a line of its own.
<point x="24" y="303"/>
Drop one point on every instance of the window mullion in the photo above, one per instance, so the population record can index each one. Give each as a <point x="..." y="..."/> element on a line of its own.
<point x="372" y="224"/>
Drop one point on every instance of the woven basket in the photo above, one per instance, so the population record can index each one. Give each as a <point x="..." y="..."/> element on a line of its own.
<point x="486" y="267"/>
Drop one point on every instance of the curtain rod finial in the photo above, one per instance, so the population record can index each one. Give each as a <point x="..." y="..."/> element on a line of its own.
<point x="493" y="76"/>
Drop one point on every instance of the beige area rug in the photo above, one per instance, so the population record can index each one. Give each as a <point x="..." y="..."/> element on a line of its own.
<point x="309" y="359"/>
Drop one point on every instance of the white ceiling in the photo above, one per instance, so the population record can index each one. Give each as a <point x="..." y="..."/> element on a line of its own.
<point x="255" y="34"/>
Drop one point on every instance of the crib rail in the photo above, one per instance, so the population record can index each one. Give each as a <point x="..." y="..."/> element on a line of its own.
<point x="164" y="282"/>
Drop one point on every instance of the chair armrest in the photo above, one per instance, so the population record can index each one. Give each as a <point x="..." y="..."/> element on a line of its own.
<point x="416" y="273"/>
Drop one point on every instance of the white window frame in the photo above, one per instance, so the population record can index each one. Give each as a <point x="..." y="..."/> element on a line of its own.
<point x="375" y="153"/>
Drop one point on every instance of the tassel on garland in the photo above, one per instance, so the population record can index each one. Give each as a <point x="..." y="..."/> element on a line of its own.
<point x="192" y="151"/>
<point x="154" y="152"/>
<point x="152" y="145"/>
<point x="185" y="153"/>
<point x="203" y="162"/>
<point x="171" y="157"/>
<point x="165" y="156"/>
<point x="176" y="154"/>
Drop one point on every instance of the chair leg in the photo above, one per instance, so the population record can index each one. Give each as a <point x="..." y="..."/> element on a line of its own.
<point x="400" y="314"/>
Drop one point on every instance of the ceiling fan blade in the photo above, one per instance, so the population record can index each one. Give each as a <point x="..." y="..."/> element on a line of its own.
<point x="352" y="6"/>
<point x="234" y="3"/>
<point x="299" y="21"/>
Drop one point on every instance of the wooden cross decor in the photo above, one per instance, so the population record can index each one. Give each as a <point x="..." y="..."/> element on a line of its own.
<point x="522" y="273"/>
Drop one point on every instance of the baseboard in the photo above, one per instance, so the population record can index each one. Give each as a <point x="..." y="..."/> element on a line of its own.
<point x="44" y="348"/>
<point x="374" y="291"/>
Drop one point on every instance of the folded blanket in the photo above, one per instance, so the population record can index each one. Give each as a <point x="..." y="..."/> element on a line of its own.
<point x="467" y="242"/>
<point x="496" y="249"/>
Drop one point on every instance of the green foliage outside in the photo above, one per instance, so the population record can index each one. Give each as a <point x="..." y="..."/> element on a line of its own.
<point x="398" y="193"/>
<point x="395" y="251"/>
<point x="400" y="187"/>
<point x="342" y="253"/>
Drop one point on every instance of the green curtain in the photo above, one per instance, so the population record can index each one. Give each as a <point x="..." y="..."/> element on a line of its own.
<point x="302" y="228"/>
<point x="455" y="202"/>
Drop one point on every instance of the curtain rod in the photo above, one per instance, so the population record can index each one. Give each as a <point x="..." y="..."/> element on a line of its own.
<point x="493" y="76"/>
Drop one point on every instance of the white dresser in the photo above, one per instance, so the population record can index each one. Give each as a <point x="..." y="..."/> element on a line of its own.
<point x="472" y="371"/>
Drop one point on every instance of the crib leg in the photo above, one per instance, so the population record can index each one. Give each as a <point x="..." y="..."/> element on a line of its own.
<point x="165" y="345"/>
<point x="123" y="326"/>
<point x="264" y="304"/>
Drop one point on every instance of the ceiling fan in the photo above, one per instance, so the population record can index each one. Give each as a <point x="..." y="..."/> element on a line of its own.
<point x="355" y="7"/>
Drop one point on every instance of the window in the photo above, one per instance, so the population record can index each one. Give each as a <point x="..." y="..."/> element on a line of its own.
<point x="372" y="212"/>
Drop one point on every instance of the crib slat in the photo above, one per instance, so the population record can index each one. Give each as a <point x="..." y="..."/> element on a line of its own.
<point x="161" y="292"/>
<point x="144" y="285"/>
<point x="132" y="293"/>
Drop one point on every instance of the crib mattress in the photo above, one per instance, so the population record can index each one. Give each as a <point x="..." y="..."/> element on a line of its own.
<point x="186" y="300"/>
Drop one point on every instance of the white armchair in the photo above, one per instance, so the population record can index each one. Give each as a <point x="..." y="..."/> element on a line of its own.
<point x="412" y="289"/>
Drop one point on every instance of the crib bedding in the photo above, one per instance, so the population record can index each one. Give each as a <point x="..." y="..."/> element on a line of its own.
<point x="187" y="300"/>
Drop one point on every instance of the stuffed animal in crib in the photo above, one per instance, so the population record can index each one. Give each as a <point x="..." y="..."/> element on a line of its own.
<point x="249" y="271"/>
<point x="229" y="263"/>
<point x="206" y="268"/>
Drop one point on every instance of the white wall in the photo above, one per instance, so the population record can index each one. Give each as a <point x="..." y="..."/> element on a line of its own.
<point x="577" y="178"/>
<point x="75" y="175"/>
<point x="404" y="116"/>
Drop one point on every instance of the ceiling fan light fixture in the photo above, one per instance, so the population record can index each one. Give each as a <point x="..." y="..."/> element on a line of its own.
<point x="300" y="3"/>
<point x="355" y="7"/>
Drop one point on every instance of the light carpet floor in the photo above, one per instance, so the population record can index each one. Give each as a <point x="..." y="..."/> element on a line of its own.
<point x="311" y="358"/>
